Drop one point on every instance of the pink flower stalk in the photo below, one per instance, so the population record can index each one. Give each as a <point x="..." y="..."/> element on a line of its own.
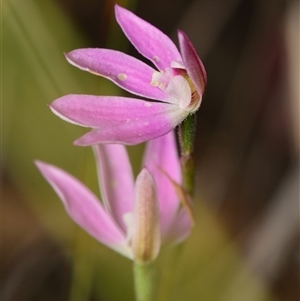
<point x="176" y="86"/>
<point x="135" y="219"/>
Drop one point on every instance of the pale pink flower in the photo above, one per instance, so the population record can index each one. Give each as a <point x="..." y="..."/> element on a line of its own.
<point x="134" y="219"/>
<point x="176" y="86"/>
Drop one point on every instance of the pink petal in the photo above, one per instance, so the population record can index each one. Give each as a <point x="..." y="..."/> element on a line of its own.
<point x="115" y="180"/>
<point x="118" y="119"/>
<point x="180" y="228"/>
<point x="161" y="157"/>
<point x="147" y="39"/>
<point x="84" y="208"/>
<point x="127" y="72"/>
<point x="193" y="64"/>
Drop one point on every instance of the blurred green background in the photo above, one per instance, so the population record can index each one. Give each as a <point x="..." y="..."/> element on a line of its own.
<point x="245" y="245"/>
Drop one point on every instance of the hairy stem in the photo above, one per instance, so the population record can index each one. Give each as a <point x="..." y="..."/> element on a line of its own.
<point x="186" y="132"/>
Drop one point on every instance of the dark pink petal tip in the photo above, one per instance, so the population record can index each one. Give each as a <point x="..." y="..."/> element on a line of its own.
<point x="194" y="65"/>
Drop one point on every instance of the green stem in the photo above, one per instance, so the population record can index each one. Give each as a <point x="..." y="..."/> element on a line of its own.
<point x="187" y="130"/>
<point x="186" y="133"/>
<point x="188" y="173"/>
<point x="144" y="281"/>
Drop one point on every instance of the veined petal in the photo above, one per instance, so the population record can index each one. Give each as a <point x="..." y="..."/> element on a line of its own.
<point x="161" y="157"/>
<point x="126" y="71"/>
<point x="118" y="119"/>
<point x="193" y="64"/>
<point x="84" y="208"/>
<point x="115" y="180"/>
<point x="147" y="39"/>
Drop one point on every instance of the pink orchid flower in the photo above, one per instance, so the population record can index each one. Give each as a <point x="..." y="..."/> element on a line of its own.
<point x="135" y="219"/>
<point x="176" y="86"/>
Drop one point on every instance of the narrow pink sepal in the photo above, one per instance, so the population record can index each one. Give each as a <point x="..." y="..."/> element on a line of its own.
<point x="115" y="180"/>
<point x="101" y="111"/>
<point x="193" y="64"/>
<point x="84" y="208"/>
<point x="128" y="134"/>
<point x="147" y="39"/>
<point x="161" y="157"/>
<point x="126" y="71"/>
<point x="117" y="119"/>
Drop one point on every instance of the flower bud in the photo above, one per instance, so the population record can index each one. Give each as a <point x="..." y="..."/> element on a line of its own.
<point x="145" y="239"/>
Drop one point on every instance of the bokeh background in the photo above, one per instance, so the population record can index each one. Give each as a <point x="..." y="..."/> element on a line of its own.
<point x="245" y="245"/>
